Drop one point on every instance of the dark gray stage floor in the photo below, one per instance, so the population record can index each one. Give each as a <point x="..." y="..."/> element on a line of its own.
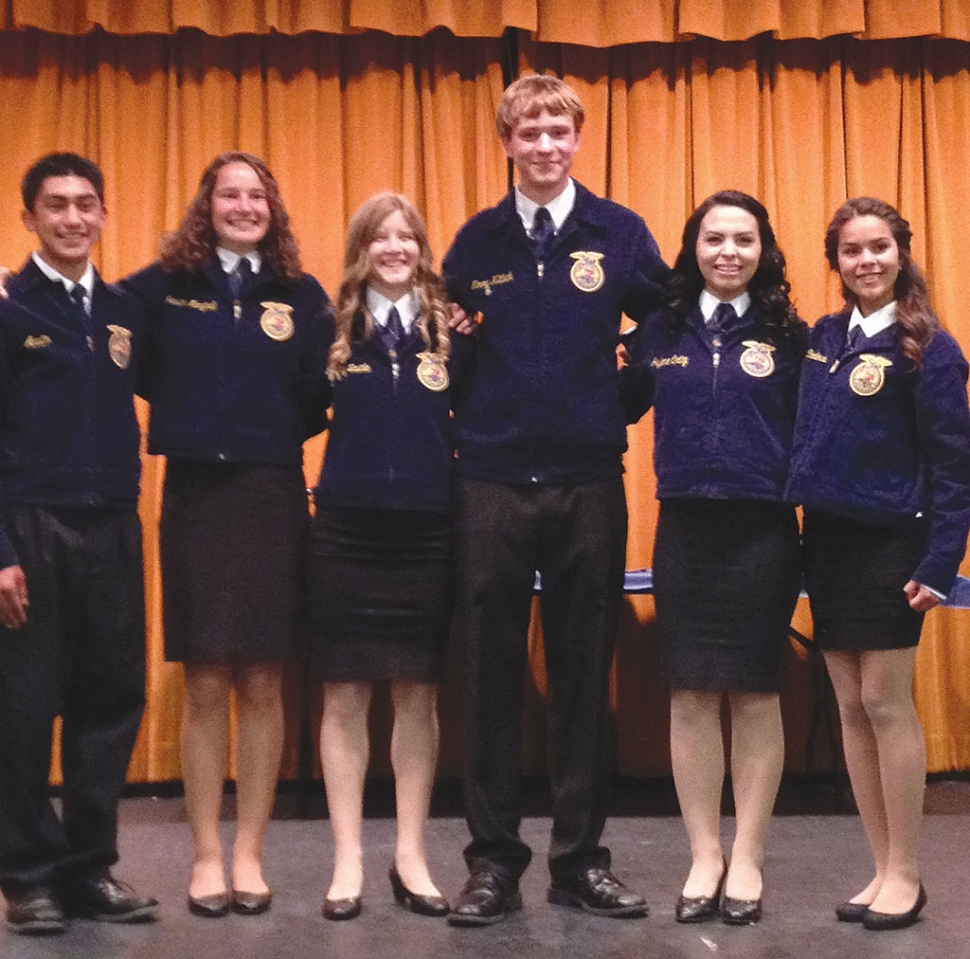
<point x="813" y="861"/>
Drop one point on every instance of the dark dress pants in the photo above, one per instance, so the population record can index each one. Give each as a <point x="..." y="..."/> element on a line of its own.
<point x="576" y="537"/>
<point x="81" y="656"/>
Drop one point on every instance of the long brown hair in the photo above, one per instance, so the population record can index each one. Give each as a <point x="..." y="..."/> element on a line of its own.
<point x="194" y="242"/>
<point x="354" y="322"/>
<point x="914" y="313"/>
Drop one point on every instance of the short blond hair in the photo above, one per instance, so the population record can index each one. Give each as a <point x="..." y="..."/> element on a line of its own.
<point x="530" y="95"/>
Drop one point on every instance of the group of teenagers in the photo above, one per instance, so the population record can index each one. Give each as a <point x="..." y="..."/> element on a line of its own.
<point x="477" y="423"/>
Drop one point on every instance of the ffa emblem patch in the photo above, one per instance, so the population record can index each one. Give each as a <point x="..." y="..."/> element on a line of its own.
<point x="432" y="372"/>
<point x="869" y="377"/>
<point x="757" y="360"/>
<point x="587" y="272"/>
<point x="119" y="346"/>
<point x="277" y="320"/>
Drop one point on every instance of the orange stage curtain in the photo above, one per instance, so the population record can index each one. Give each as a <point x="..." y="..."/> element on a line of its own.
<point x="799" y="123"/>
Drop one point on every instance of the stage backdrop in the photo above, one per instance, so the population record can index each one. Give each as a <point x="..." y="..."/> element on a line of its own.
<point x="801" y="103"/>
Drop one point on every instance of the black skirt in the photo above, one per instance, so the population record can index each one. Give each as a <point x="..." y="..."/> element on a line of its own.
<point x="233" y="543"/>
<point x="726" y="580"/>
<point x="380" y="594"/>
<point x="854" y="574"/>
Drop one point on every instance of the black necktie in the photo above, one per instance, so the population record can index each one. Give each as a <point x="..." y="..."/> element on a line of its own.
<point x="542" y="232"/>
<point x="395" y="329"/>
<point x="77" y="295"/>
<point x="77" y="298"/>
<point x="722" y="317"/>
<point x="239" y="277"/>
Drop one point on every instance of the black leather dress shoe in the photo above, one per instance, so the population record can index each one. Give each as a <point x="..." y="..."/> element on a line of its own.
<point x="700" y="908"/>
<point x="35" y="912"/>
<point x="338" y="910"/>
<point x="105" y="899"/>
<point x="598" y="891"/>
<point x="422" y="905"/>
<point x="250" y="903"/>
<point x="210" y="907"/>
<point x="881" y="921"/>
<point x="487" y="898"/>
<point x="740" y="912"/>
<point x="851" y="911"/>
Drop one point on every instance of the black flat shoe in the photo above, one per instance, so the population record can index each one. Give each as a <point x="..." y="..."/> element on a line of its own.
<point x="740" y="912"/>
<point x="881" y="921"/>
<point x="422" y="905"/>
<point x="210" y="907"/>
<point x="700" y="908"/>
<point x="338" y="910"/>
<point x="851" y="911"/>
<point x="250" y="903"/>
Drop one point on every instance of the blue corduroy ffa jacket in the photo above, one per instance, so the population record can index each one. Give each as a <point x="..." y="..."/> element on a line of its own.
<point x="540" y="399"/>
<point x="895" y="449"/>
<point x="724" y="408"/>
<point x="390" y="443"/>
<point x="68" y="432"/>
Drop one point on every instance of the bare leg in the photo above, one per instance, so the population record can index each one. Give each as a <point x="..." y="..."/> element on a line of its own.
<point x="414" y="756"/>
<point x="697" y="755"/>
<point x="344" y="752"/>
<point x="259" y="745"/>
<point x="887" y="696"/>
<point x="205" y="743"/>
<point x="757" y="760"/>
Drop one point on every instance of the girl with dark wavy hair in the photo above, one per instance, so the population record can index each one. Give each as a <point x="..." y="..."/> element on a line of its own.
<point x="881" y="464"/>
<point x="380" y="581"/>
<point x="236" y="381"/>
<point x="720" y="366"/>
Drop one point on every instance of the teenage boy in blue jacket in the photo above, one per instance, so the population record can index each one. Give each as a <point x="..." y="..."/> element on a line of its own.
<point x="72" y="627"/>
<point x="540" y="433"/>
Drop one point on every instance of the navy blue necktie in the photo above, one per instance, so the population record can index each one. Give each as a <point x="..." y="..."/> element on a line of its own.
<point x="395" y="329"/>
<point x="542" y="233"/>
<point x="855" y="339"/>
<point x="240" y="277"/>
<point x="723" y="316"/>
<point x="77" y="298"/>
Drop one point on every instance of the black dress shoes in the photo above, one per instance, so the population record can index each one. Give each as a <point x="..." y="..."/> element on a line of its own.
<point x="598" y="891"/>
<point x="486" y="898"/>
<point x="740" y="912"/>
<point x="700" y="908"/>
<point x="337" y="910"/>
<point x="35" y="912"/>
<point x="250" y="903"/>
<point x="105" y="899"/>
<point x="210" y="907"/>
<point x="422" y="905"/>
<point x="880" y="921"/>
<point x="851" y="911"/>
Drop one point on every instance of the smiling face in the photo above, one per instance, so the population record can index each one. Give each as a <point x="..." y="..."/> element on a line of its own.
<point x="392" y="256"/>
<point x="869" y="261"/>
<point x="728" y="251"/>
<point x="542" y="148"/>
<point x="68" y="218"/>
<point x="239" y="208"/>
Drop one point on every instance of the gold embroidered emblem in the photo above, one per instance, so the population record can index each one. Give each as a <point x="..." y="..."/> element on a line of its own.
<point x="277" y="320"/>
<point x="676" y="360"/>
<point x="869" y="377"/>
<point x="119" y="346"/>
<point x="203" y="306"/>
<point x="757" y="360"/>
<point x="358" y="368"/>
<point x="432" y="372"/>
<point x="587" y="272"/>
<point x="497" y="280"/>
<point x="37" y="342"/>
<point x="818" y="357"/>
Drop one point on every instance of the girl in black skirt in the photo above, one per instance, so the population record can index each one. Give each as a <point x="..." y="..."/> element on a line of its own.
<point x="380" y="557"/>
<point x="881" y="462"/>
<point x="720" y="366"/>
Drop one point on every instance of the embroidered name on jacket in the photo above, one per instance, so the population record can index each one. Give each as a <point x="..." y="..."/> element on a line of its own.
<point x="818" y="357"/>
<point x="203" y="306"/>
<point x="497" y="280"/>
<point x="659" y="361"/>
<point x="358" y="368"/>
<point x="37" y="342"/>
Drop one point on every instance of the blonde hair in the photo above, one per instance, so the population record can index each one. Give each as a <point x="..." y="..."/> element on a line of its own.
<point x="530" y="95"/>
<point x="353" y="320"/>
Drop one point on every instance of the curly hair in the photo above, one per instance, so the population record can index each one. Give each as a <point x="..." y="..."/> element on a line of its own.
<point x="194" y="242"/>
<point x="530" y="95"/>
<point x="769" y="287"/>
<point x="353" y="320"/>
<point x="915" y="318"/>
